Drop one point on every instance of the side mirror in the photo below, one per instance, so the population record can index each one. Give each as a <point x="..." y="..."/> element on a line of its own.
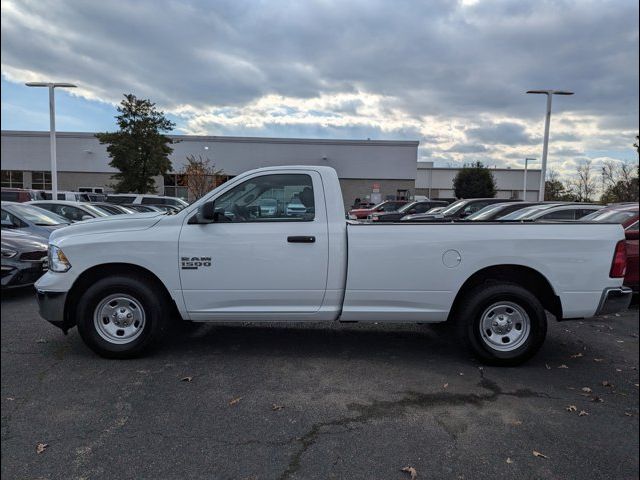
<point x="632" y="234"/>
<point x="86" y="217"/>
<point x="207" y="212"/>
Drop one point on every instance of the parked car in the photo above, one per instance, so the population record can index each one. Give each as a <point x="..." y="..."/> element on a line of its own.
<point x="19" y="195"/>
<point x="123" y="280"/>
<point x="627" y="216"/>
<point x="542" y="212"/>
<point x="146" y="199"/>
<point x="24" y="258"/>
<point x="139" y="208"/>
<point x="268" y="207"/>
<point x="456" y="211"/>
<point x="497" y="210"/>
<point x="407" y="209"/>
<point x="170" y="209"/>
<point x="66" y="195"/>
<point x="113" y="209"/>
<point x="388" y="206"/>
<point x="365" y="205"/>
<point x="31" y="219"/>
<point x="72" y="211"/>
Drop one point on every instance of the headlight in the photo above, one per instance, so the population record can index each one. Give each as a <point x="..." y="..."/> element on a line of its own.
<point x="8" y="253"/>
<point x="58" y="261"/>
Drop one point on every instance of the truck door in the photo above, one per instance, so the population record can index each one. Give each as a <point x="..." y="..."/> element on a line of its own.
<point x="264" y="257"/>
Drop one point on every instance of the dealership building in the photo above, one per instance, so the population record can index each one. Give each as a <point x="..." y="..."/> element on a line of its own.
<point x="368" y="169"/>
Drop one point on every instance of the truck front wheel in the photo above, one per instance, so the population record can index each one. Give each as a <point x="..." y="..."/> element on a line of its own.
<point x="121" y="317"/>
<point x="502" y="323"/>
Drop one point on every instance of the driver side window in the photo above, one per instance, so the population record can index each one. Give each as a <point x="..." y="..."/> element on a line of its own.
<point x="268" y="198"/>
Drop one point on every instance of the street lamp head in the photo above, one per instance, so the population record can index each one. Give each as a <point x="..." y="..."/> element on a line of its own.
<point x="550" y="92"/>
<point x="50" y="84"/>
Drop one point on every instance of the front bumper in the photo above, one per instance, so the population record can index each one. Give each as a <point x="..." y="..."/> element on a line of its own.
<point x="614" y="300"/>
<point x="19" y="274"/>
<point x="51" y="307"/>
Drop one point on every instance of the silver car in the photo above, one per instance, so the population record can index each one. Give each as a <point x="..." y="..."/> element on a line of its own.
<point x="30" y="219"/>
<point x="24" y="258"/>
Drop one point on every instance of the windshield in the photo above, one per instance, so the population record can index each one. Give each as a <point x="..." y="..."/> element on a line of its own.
<point x="610" y="216"/>
<point x="526" y="212"/>
<point x="96" y="210"/>
<point x="407" y="206"/>
<point x="37" y="216"/>
<point x="453" y="207"/>
<point x="486" y="212"/>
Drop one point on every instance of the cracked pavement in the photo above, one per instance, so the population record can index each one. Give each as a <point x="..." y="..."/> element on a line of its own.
<point x="358" y="402"/>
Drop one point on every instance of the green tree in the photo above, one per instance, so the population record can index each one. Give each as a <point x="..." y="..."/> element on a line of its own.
<point x="474" y="181"/>
<point x="139" y="150"/>
<point x="555" y="190"/>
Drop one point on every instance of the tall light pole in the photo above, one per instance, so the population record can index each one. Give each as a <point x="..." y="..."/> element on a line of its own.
<point x="547" y="121"/>
<point x="52" y="129"/>
<point x="526" y="163"/>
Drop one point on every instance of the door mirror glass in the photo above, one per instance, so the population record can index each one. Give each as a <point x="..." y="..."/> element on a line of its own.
<point x="207" y="212"/>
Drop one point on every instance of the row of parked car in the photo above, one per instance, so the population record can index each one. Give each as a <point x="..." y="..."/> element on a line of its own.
<point x="27" y="224"/>
<point x="500" y="210"/>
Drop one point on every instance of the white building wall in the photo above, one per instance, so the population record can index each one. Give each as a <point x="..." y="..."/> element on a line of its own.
<point x="508" y="181"/>
<point x="81" y="152"/>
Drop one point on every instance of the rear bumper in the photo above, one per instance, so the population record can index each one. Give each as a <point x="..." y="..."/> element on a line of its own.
<point x="51" y="307"/>
<point x="614" y="300"/>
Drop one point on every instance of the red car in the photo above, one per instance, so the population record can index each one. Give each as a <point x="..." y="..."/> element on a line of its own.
<point x="388" y="206"/>
<point x="627" y="216"/>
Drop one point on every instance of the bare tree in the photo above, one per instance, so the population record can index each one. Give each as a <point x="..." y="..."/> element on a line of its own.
<point x="619" y="182"/>
<point x="584" y="185"/>
<point x="200" y="175"/>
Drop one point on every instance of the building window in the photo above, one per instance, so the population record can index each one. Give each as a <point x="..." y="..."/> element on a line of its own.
<point x="12" y="179"/>
<point x="41" y="180"/>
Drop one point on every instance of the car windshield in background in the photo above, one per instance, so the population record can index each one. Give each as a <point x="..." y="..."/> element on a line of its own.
<point x="406" y="207"/>
<point x="37" y="216"/>
<point x="96" y="210"/>
<point x="453" y="207"/>
<point x="485" y="212"/>
<point x="525" y="212"/>
<point x="610" y="216"/>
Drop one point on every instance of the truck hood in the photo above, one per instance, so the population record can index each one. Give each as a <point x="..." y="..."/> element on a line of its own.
<point x="114" y="223"/>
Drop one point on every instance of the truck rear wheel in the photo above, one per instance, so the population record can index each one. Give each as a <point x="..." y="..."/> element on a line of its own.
<point x="121" y="317"/>
<point x="502" y="323"/>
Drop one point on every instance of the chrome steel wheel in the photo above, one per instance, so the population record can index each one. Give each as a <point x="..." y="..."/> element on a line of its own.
<point x="505" y="326"/>
<point x="119" y="318"/>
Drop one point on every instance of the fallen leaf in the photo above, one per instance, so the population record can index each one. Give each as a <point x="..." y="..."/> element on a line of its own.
<point x="572" y="408"/>
<point x="234" y="401"/>
<point x="186" y="379"/>
<point x="41" y="447"/>
<point x="582" y="413"/>
<point x="563" y="366"/>
<point x="637" y="385"/>
<point x="411" y="471"/>
<point x="41" y="340"/>
<point x="275" y="407"/>
<point x="509" y="460"/>
<point x="577" y="355"/>
<point x="618" y="369"/>
<point x="446" y="385"/>
<point x="11" y="399"/>
<point x="597" y="399"/>
<point x="461" y="374"/>
<point x="628" y="414"/>
<point x="547" y="366"/>
<point x="598" y="359"/>
<point x="538" y="454"/>
<point x="620" y="341"/>
<point x="605" y="383"/>
<point x="586" y="389"/>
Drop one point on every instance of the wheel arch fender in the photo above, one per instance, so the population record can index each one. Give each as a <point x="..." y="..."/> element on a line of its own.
<point x="525" y="276"/>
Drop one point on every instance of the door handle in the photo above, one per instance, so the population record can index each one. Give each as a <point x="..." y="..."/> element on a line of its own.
<point x="301" y="239"/>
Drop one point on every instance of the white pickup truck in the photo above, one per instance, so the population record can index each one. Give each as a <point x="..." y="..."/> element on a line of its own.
<point x="123" y="280"/>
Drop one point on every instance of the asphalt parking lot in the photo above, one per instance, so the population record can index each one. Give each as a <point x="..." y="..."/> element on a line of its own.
<point x="311" y="401"/>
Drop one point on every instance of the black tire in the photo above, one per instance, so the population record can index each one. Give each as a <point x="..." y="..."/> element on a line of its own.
<point x="156" y="310"/>
<point x="477" y="302"/>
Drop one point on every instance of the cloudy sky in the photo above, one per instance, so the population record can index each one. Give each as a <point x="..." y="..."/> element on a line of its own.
<point x="451" y="74"/>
